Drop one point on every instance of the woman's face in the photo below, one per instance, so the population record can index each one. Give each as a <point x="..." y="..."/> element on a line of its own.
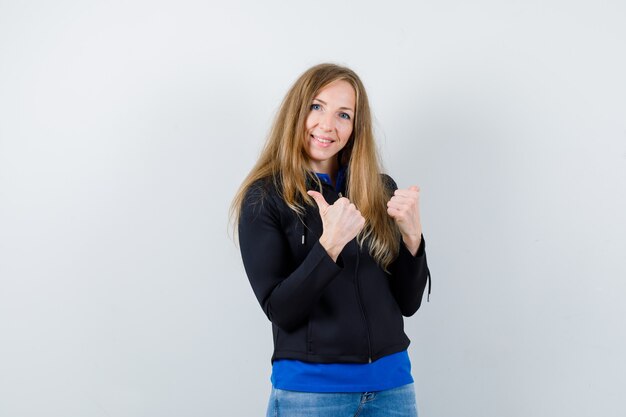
<point x="329" y="125"/>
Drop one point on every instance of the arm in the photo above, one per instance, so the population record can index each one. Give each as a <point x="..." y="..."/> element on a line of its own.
<point x="286" y="292"/>
<point x="409" y="275"/>
<point x="409" y="272"/>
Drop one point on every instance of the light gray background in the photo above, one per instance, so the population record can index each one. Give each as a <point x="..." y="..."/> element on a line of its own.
<point x="126" y="127"/>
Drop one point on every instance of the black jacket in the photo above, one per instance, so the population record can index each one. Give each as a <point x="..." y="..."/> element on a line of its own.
<point x="322" y="311"/>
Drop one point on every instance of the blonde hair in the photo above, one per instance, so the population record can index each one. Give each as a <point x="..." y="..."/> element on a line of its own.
<point x="284" y="160"/>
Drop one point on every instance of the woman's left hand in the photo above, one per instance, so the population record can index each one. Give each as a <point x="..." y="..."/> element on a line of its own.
<point x="403" y="207"/>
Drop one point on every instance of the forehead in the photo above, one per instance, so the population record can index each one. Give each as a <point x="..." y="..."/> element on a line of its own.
<point x="339" y="93"/>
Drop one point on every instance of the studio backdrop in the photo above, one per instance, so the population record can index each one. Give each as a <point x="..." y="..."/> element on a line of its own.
<point x="127" y="126"/>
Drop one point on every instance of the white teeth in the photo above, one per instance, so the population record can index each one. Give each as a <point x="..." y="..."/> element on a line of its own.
<point x="322" y="140"/>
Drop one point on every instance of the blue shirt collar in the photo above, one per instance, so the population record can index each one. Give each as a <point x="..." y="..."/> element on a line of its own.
<point x="341" y="178"/>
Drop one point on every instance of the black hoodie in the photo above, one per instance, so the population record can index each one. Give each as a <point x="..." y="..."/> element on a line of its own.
<point x="321" y="311"/>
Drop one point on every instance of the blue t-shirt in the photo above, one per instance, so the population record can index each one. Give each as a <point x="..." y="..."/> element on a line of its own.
<point x="388" y="372"/>
<point x="341" y="178"/>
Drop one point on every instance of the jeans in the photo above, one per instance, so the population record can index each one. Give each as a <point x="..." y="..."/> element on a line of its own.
<point x="396" y="402"/>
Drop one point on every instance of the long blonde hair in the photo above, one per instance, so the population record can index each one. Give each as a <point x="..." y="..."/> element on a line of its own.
<point x="284" y="160"/>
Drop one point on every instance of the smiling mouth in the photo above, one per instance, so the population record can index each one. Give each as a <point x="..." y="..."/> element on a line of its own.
<point x="322" y="140"/>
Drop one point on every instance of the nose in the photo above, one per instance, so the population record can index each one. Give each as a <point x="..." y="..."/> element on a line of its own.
<point x="326" y="121"/>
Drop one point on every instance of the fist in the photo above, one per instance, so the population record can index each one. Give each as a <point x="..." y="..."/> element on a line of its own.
<point x="341" y="221"/>
<point x="403" y="207"/>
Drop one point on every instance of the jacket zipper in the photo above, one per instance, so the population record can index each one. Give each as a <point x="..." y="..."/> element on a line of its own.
<point x="363" y="314"/>
<point x="358" y="297"/>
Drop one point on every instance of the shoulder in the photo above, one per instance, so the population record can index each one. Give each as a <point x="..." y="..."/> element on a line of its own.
<point x="389" y="183"/>
<point x="260" y="196"/>
<point x="261" y="189"/>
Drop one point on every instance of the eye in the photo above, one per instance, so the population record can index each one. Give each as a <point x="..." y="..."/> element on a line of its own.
<point x="316" y="107"/>
<point x="344" y="116"/>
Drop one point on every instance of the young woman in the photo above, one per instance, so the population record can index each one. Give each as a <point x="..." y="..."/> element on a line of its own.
<point x="334" y="253"/>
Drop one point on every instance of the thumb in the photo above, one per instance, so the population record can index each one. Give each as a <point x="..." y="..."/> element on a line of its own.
<point x="414" y="188"/>
<point x="319" y="199"/>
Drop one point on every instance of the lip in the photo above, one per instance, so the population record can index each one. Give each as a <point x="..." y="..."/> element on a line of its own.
<point x="323" y="138"/>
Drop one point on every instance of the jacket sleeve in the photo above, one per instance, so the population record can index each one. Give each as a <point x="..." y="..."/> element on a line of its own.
<point x="409" y="274"/>
<point x="286" y="292"/>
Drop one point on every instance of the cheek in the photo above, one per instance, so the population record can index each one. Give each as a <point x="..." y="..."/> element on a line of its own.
<point x="346" y="132"/>
<point x="310" y="121"/>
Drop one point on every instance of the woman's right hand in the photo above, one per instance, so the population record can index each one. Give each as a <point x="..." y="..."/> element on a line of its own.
<point x="341" y="221"/>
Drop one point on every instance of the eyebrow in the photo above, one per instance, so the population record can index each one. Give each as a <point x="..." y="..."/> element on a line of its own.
<point x="340" y="108"/>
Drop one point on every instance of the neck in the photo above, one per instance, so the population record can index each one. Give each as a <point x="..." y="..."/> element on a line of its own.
<point x="329" y="167"/>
